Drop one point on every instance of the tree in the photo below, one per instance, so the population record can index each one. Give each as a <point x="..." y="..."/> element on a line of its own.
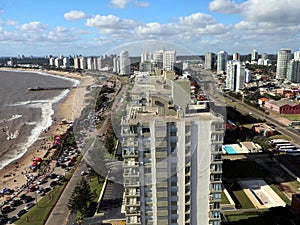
<point x="81" y="198"/>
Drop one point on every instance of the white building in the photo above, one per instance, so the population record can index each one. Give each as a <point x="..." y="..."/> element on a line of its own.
<point x="169" y="59"/>
<point x="66" y="62"/>
<point x="210" y="60"/>
<point x="147" y="57"/>
<point x="222" y="61"/>
<point x="124" y="63"/>
<point x="172" y="156"/>
<point x="116" y="64"/>
<point x="284" y="56"/>
<point x="293" y="74"/>
<point x="254" y="55"/>
<point x="235" y="78"/>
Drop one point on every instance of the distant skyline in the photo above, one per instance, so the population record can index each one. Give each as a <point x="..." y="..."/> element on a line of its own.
<point x="96" y="27"/>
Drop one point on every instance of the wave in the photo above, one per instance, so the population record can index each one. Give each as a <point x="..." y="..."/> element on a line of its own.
<point x="14" y="116"/>
<point x="40" y="126"/>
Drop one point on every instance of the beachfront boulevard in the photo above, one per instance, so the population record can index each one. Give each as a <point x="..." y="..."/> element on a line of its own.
<point x="36" y="182"/>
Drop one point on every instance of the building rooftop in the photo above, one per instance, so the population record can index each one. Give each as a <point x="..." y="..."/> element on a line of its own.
<point x="283" y="102"/>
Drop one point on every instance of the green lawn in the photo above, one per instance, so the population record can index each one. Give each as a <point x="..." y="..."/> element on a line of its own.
<point x="243" y="199"/>
<point x="224" y="199"/>
<point x="38" y="213"/>
<point x="280" y="194"/>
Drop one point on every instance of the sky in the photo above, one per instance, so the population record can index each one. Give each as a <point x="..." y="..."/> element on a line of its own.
<point x="97" y="27"/>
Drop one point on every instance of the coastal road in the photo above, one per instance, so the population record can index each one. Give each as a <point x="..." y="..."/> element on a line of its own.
<point x="60" y="212"/>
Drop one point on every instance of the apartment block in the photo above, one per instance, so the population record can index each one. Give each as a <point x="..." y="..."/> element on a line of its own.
<point x="172" y="155"/>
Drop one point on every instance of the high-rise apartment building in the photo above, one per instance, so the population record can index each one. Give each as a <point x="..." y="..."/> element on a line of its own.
<point x="172" y="155"/>
<point x="222" y="61"/>
<point x="124" y="63"/>
<point x="297" y="55"/>
<point x="236" y="56"/>
<point x="254" y="55"/>
<point x="235" y="77"/>
<point x="147" y="57"/>
<point x="169" y="59"/>
<point x="284" y="56"/>
<point x="210" y="60"/>
<point x="264" y="56"/>
<point x="293" y="74"/>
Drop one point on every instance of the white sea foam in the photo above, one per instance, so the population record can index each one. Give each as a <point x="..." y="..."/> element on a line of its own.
<point x="45" y="121"/>
<point x="14" y="116"/>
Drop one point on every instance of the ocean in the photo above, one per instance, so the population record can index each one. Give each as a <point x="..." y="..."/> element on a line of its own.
<point x="24" y="114"/>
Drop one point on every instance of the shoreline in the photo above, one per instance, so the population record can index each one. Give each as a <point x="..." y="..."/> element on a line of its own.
<point x="16" y="173"/>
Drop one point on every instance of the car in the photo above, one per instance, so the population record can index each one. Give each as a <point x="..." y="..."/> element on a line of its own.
<point x="28" y="205"/>
<point x="28" y="199"/>
<point x="3" y="220"/>
<point x="42" y="181"/>
<point x="21" y="212"/>
<point x="6" y="210"/>
<point x="67" y="169"/>
<point x="39" y="190"/>
<point x="32" y="188"/>
<point x="53" y="183"/>
<point x="12" y="220"/>
<point x="22" y="196"/>
<point x="58" y="178"/>
<point x="16" y="203"/>
<point x="53" y="176"/>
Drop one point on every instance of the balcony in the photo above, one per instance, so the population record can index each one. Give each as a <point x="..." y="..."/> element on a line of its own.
<point x="131" y="174"/>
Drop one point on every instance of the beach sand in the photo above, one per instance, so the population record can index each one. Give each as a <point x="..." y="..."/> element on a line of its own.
<point x="68" y="108"/>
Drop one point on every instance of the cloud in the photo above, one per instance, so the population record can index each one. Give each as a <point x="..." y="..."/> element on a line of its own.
<point x="142" y="4"/>
<point x="224" y="6"/>
<point x="110" y="22"/>
<point x="119" y="3"/>
<point x="272" y="11"/>
<point x="74" y="15"/>
<point x="34" y="27"/>
<point x="11" y="23"/>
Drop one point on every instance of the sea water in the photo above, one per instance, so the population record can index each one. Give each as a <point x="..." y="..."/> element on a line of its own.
<point x="24" y="114"/>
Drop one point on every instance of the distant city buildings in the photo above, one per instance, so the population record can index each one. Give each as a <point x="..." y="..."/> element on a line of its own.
<point x="125" y="66"/>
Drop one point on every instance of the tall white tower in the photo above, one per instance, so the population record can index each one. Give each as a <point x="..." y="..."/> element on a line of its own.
<point x="235" y="77"/>
<point x="124" y="63"/>
<point x="284" y="56"/>
<point x="172" y="157"/>
<point x="222" y="61"/>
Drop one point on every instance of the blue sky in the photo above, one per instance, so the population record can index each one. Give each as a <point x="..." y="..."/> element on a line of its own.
<point x="96" y="27"/>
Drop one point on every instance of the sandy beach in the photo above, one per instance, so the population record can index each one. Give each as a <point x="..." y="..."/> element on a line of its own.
<point x="15" y="174"/>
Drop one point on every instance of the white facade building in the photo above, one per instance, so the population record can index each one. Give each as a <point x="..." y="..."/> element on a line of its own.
<point x="222" y="61"/>
<point x="169" y="59"/>
<point x="235" y="78"/>
<point x="284" y="56"/>
<point x="124" y="63"/>
<point x="172" y="156"/>
<point x="254" y="55"/>
<point x="293" y="74"/>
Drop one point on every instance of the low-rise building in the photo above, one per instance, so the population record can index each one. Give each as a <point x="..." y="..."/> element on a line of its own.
<point x="283" y="106"/>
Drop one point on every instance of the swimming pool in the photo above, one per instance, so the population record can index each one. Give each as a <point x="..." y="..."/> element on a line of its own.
<point x="229" y="149"/>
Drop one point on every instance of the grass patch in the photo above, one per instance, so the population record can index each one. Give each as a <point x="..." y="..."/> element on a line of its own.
<point x="38" y="213"/>
<point x="280" y="194"/>
<point x="95" y="188"/>
<point x="224" y="199"/>
<point x="243" y="199"/>
<point x="242" y="216"/>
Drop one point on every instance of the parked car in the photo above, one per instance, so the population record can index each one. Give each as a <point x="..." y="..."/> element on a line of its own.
<point x="28" y="199"/>
<point x="53" y="183"/>
<point x="22" y="196"/>
<point x="6" y="209"/>
<point x="16" y="203"/>
<point x="12" y="220"/>
<point x="21" y="212"/>
<point x="29" y="205"/>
